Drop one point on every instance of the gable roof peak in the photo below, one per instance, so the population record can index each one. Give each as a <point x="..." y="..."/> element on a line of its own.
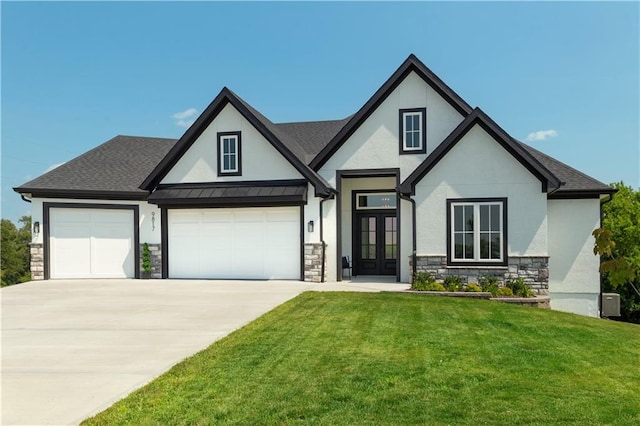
<point x="412" y="63"/>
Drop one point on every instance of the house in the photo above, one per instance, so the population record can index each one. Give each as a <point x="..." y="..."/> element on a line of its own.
<point x="416" y="180"/>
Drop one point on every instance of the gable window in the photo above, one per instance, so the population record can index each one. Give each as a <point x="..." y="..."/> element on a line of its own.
<point x="413" y="131"/>
<point x="477" y="231"/>
<point x="229" y="154"/>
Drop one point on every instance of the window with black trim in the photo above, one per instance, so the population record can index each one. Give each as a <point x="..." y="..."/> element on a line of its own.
<point x="413" y="131"/>
<point x="229" y="154"/>
<point x="477" y="231"/>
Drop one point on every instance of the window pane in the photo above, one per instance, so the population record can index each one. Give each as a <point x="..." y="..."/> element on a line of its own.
<point x="484" y="245"/>
<point x="468" y="218"/>
<point x="225" y="165"/>
<point x="416" y="122"/>
<point x="484" y="218"/>
<point x="468" y="245"/>
<point x="496" y="246"/>
<point x="495" y="217"/>
<point x="365" y="225"/>
<point x="407" y="123"/>
<point x="225" y="145"/>
<point x="457" y="218"/>
<point x="232" y="162"/>
<point x="232" y="146"/>
<point x="458" y="249"/>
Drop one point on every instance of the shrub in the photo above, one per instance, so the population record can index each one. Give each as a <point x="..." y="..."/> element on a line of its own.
<point x="519" y="288"/>
<point x="422" y="280"/>
<point x="435" y="286"/>
<point x="503" y="292"/>
<point x="474" y="288"/>
<point x="489" y="284"/>
<point x="146" y="258"/>
<point x="453" y="283"/>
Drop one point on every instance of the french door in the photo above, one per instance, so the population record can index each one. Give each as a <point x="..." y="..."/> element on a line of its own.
<point x="376" y="248"/>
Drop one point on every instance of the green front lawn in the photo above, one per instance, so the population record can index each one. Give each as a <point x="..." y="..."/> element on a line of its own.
<point x="354" y="358"/>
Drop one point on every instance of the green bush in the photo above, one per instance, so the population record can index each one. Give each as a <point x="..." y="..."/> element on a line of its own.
<point x="519" y="288"/>
<point x="435" y="286"/>
<point x="503" y="292"/>
<point x="473" y="288"/>
<point x="422" y="280"/>
<point x="490" y="284"/>
<point x="453" y="283"/>
<point x="146" y="258"/>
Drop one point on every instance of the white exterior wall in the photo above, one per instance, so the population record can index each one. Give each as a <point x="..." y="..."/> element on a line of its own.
<point x="375" y="143"/>
<point x="312" y="212"/>
<point x="149" y="230"/>
<point x="348" y="187"/>
<point x="259" y="159"/>
<point x="479" y="167"/>
<point x="574" y="279"/>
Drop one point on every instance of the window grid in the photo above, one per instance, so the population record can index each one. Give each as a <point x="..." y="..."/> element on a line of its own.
<point x="229" y="154"/>
<point x="412" y="131"/>
<point x="477" y="232"/>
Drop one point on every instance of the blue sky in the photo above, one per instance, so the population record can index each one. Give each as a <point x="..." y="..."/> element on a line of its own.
<point x="76" y="74"/>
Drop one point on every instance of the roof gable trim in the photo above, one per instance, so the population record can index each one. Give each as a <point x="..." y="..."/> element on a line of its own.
<point x="225" y="97"/>
<point x="547" y="179"/>
<point x="411" y="64"/>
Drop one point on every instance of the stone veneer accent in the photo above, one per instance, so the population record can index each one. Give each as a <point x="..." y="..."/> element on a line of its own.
<point x="37" y="261"/>
<point x="534" y="270"/>
<point x="156" y="260"/>
<point x="313" y="262"/>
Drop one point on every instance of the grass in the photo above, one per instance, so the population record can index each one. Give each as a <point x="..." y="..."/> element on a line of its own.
<point x="347" y="358"/>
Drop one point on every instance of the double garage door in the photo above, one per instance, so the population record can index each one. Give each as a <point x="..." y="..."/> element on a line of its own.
<point x="246" y="243"/>
<point x="91" y="243"/>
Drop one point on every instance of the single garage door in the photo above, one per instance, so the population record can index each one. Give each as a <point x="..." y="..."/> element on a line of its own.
<point x="91" y="243"/>
<point x="246" y="243"/>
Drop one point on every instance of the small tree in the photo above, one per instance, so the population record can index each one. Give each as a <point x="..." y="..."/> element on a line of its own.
<point x="146" y="259"/>
<point x="15" y="251"/>
<point x="618" y="244"/>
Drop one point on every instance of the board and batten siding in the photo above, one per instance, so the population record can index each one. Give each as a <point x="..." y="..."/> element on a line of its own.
<point x="479" y="167"/>
<point x="260" y="160"/>
<point x="574" y="280"/>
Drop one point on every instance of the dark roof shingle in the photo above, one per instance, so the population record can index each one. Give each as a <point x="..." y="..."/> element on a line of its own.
<point x="119" y="165"/>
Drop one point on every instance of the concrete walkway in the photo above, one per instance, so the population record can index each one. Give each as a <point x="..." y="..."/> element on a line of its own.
<point x="72" y="348"/>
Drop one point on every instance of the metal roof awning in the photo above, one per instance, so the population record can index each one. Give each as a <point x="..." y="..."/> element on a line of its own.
<point x="231" y="194"/>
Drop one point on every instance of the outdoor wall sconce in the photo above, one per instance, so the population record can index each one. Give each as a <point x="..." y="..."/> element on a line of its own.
<point x="36" y="227"/>
<point x="310" y="226"/>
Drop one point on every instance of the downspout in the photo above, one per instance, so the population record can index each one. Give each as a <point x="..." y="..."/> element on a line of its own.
<point x="602" y="203"/>
<point x="24" y="198"/>
<point x="413" y="231"/>
<point x="323" y="259"/>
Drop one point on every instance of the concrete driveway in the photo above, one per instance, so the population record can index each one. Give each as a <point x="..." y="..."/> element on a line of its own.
<point x="72" y="348"/>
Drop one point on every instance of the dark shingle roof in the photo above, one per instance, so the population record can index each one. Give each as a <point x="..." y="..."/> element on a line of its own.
<point x="572" y="179"/>
<point x="312" y="136"/>
<point x="119" y="165"/>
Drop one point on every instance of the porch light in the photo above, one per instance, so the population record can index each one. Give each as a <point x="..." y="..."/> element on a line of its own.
<point x="36" y="227"/>
<point x="310" y="226"/>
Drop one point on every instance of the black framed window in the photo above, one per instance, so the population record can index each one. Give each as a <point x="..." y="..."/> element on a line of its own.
<point x="229" y="154"/>
<point x="413" y="131"/>
<point x="477" y="231"/>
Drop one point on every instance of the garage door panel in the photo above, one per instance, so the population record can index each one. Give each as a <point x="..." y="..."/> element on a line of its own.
<point x="91" y="243"/>
<point x="247" y="243"/>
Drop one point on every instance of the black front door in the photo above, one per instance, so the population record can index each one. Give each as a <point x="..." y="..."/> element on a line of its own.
<point x="376" y="243"/>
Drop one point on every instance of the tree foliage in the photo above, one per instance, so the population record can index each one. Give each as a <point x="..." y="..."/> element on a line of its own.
<point x="14" y="251"/>
<point x="618" y="243"/>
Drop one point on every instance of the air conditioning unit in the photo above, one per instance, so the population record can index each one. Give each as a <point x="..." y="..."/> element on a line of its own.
<point x="610" y="305"/>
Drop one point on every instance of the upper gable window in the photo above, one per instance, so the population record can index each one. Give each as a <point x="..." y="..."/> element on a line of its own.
<point x="229" y="154"/>
<point x="413" y="131"/>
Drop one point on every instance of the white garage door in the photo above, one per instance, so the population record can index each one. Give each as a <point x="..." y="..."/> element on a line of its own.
<point x="247" y="243"/>
<point x="91" y="243"/>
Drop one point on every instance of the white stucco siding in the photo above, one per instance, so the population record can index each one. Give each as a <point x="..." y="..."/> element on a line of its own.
<point x="479" y="167"/>
<point x="149" y="224"/>
<point x="349" y="186"/>
<point x="375" y="143"/>
<point x="259" y="159"/>
<point x="574" y="280"/>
